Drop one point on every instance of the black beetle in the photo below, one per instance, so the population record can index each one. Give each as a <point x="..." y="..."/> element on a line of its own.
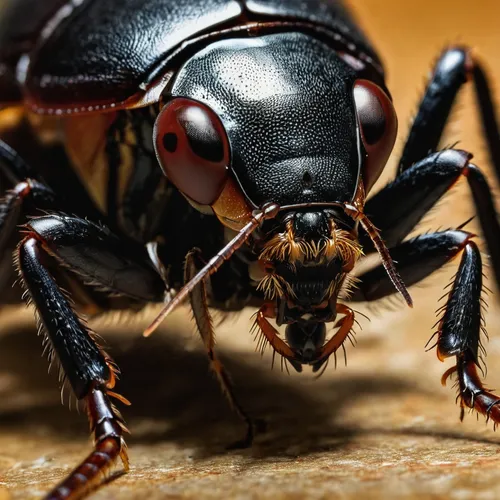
<point x="271" y="121"/>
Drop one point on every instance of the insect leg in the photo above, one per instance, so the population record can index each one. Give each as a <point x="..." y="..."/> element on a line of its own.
<point x="461" y="324"/>
<point x="459" y="334"/>
<point x="16" y="203"/>
<point x="24" y="196"/>
<point x="86" y="366"/>
<point x="12" y="165"/>
<point x="29" y="194"/>
<point x="454" y="68"/>
<point x="102" y="259"/>
<point x="417" y="258"/>
<point x="204" y="323"/>
<point x="99" y="257"/>
<point x="414" y="192"/>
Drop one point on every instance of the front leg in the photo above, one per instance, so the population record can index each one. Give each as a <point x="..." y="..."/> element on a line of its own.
<point x="101" y="258"/>
<point x="423" y="178"/>
<point x="417" y="259"/>
<point x="88" y="369"/>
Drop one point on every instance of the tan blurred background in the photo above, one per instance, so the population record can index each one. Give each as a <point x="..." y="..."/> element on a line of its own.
<point x="381" y="428"/>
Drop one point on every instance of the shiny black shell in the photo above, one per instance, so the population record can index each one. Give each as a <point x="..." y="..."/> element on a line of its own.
<point x="80" y="56"/>
<point x="286" y="102"/>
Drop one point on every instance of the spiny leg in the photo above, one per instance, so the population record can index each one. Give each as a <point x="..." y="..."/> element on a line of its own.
<point x="454" y="68"/>
<point x="29" y="194"/>
<point x="459" y="334"/>
<point x="459" y="331"/>
<point x="86" y="366"/>
<point x="24" y="196"/>
<point x="415" y="191"/>
<point x="204" y="323"/>
<point x="99" y="257"/>
<point x="108" y="427"/>
<point x="417" y="259"/>
<point x="13" y="167"/>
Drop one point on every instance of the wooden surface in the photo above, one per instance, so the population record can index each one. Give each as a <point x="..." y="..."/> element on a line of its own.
<point x="381" y="428"/>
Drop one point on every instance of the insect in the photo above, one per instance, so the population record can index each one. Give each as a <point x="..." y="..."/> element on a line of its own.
<point x="159" y="146"/>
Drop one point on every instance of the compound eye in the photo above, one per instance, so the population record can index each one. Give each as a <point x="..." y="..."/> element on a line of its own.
<point x="378" y="127"/>
<point x="193" y="149"/>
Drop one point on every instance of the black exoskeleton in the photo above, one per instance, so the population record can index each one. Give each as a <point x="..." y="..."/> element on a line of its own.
<point x="171" y="143"/>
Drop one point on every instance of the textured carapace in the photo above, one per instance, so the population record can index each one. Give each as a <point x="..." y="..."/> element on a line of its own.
<point x="271" y="117"/>
<point x="89" y="55"/>
<point x="291" y="121"/>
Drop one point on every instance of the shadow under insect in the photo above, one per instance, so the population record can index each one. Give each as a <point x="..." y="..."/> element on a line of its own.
<point x="175" y="398"/>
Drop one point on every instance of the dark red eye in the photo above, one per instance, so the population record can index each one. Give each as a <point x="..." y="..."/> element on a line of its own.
<point x="379" y="126"/>
<point x="192" y="148"/>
